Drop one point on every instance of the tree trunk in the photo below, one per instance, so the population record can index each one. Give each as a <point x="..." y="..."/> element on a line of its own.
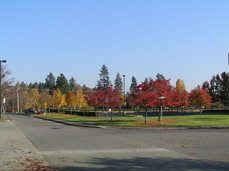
<point x="96" y="112"/>
<point x="111" y="114"/>
<point x="159" y="115"/>
<point x="146" y="115"/>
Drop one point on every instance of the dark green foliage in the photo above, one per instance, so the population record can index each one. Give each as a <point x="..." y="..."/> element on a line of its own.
<point x="133" y="84"/>
<point x="80" y="113"/>
<point x="23" y="85"/>
<point x="41" y="87"/>
<point x="34" y="85"/>
<point x="50" y="82"/>
<point x="104" y="80"/>
<point x="146" y="81"/>
<point x="218" y="88"/>
<point x="160" y="77"/>
<point x="54" y="110"/>
<point x="224" y="93"/>
<point x="72" y="84"/>
<point x="62" y="84"/>
<point x="118" y="82"/>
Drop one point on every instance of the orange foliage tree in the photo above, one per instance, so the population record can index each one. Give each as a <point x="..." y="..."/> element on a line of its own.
<point x="45" y="99"/>
<point x="71" y="100"/>
<point x="200" y="97"/>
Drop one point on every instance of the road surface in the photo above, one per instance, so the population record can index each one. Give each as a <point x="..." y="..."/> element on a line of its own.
<point x="76" y="148"/>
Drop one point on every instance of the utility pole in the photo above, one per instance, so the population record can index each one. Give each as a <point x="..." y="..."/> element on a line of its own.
<point x="18" y="107"/>
<point x="1" y="61"/>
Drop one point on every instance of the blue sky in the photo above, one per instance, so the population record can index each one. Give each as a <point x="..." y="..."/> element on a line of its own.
<point x="177" y="38"/>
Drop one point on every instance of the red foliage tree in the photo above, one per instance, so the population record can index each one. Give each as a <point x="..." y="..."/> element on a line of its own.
<point x="112" y="98"/>
<point x="179" y="98"/>
<point x="146" y="95"/>
<point x="143" y="96"/>
<point x="184" y="98"/>
<point x="175" y="98"/>
<point x="162" y="88"/>
<point x="95" y="99"/>
<point x="200" y="97"/>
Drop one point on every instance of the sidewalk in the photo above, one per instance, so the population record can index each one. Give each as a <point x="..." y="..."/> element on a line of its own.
<point x="17" y="152"/>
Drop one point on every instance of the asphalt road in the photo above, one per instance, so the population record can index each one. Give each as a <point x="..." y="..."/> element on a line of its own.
<point x="76" y="148"/>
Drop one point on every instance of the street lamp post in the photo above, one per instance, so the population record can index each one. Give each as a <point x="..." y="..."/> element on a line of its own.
<point x="1" y="61"/>
<point x="160" y="115"/>
<point x="124" y="91"/>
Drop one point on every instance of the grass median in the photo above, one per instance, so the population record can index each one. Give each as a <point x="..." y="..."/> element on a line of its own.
<point x="134" y="121"/>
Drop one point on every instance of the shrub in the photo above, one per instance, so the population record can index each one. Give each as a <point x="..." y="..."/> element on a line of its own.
<point x="80" y="113"/>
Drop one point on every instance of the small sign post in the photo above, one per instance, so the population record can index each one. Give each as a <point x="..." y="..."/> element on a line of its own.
<point x="160" y="118"/>
<point x="45" y="106"/>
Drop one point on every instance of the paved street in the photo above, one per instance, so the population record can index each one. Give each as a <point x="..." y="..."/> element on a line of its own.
<point x="76" y="148"/>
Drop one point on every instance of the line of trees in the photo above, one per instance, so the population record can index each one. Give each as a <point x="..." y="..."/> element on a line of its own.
<point x="146" y="95"/>
<point x="62" y="92"/>
<point x="52" y="83"/>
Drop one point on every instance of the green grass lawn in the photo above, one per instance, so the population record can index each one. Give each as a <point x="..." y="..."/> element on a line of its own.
<point x="193" y="120"/>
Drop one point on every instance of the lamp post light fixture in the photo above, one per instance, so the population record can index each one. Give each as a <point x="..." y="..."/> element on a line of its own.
<point x="1" y="61"/>
<point x="160" y="118"/>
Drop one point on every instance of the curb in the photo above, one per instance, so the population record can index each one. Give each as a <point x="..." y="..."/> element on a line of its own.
<point x="72" y="123"/>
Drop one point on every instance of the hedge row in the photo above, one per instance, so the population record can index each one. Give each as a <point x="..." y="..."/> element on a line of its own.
<point x="80" y="113"/>
<point x="216" y="111"/>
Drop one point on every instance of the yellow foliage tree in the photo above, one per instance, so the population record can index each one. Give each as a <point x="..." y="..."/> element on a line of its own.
<point x="33" y="98"/>
<point x="80" y="99"/>
<point x="45" y="99"/>
<point x="180" y="85"/>
<point x="71" y="100"/>
<point x="58" y="99"/>
<point x="24" y="99"/>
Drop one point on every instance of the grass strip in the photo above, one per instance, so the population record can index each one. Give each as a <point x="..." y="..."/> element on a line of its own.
<point x="134" y="121"/>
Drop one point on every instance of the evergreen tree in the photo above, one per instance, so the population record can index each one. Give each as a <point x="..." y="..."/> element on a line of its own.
<point x="146" y="81"/>
<point x="214" y="90"/>
<point x="41" y="87"/>
<point x="72" y="84"/>
<point x="160" y="77"/>
<point x="133" y="84"/>
<point x="62" y="84"/>
<point x="224" y="92"/>
<point x="104" y="78"/>
<point x="218" y="88"/>
<point x="23" y="85"/>
<point x="118" y="83"/>
<point x="31" y="85"/>
<point x="50" y="82"/>
<point x="34" y="85"/>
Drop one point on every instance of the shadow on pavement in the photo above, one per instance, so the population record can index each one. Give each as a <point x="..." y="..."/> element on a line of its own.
<point x="140" y="163"/>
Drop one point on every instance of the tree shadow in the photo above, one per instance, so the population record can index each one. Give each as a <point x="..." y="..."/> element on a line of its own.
<point x="144" y="163"/>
